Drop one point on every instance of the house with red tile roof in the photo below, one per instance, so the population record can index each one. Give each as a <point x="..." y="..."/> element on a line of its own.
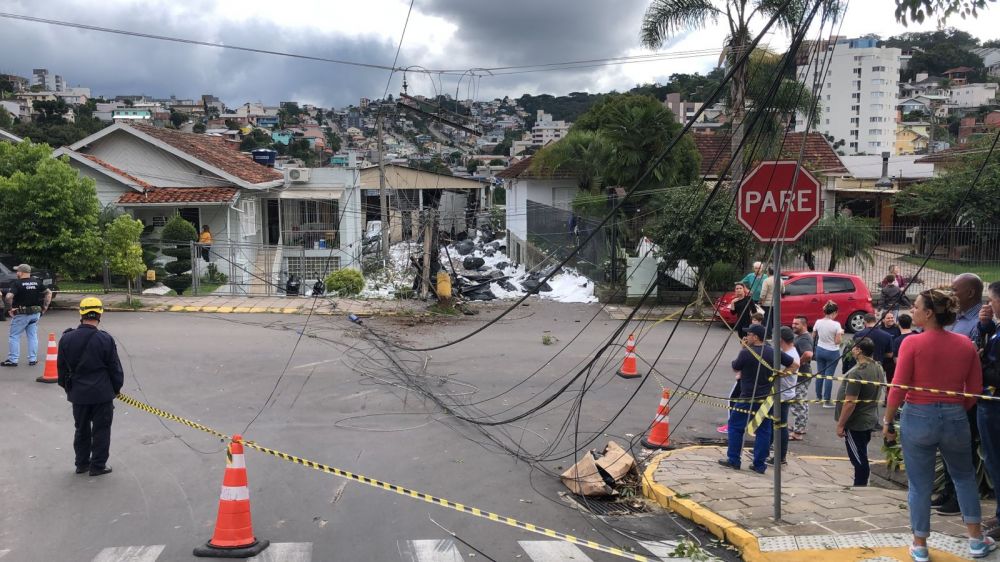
<point x="264" y="225"/>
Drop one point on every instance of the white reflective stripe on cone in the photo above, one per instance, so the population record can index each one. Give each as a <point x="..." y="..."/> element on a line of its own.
<point x="234" y="493"/>
<point x="51" y="358"/>
<point x="238" y="462"/>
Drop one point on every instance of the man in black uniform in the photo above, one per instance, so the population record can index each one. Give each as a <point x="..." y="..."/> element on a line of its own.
<point x="26" y="300"/>
<point x="91" y="373"/>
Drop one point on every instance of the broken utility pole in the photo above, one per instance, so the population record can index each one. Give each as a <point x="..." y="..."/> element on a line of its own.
<point x="425" y="285"/>
<point x="383" y="197"/>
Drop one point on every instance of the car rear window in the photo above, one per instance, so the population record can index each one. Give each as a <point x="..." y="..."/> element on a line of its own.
<point x="804" y="286"/>
<point x="837" y="285"/>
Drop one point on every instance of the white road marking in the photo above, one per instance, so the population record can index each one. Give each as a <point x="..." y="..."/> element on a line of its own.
<point x="130" y="554"/>
<point x="431" y="551"/>
<point x="663" y="549"/>
<point x="286" y="552"/>
<point x="553" y="551"/>
<point x="315" y="364"/>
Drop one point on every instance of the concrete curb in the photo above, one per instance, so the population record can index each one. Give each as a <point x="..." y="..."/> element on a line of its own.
<point x="745" y="541"/>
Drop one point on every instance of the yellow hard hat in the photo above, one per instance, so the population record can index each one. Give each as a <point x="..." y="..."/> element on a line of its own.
<point x="91" y="304"/>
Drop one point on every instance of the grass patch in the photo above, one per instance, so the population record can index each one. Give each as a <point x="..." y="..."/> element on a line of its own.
<point x="205" y="288"/>
<point x="989" y="272"/>
<point x="437" y="308"/>
<point x="83" y="287"/>
<point x="136" y="304"/>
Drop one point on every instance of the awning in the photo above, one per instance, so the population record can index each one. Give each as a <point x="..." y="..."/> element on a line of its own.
<point x="312" y="194"/>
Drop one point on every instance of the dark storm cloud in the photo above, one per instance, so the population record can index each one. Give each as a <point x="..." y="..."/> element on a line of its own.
<point x="510" y="32"/>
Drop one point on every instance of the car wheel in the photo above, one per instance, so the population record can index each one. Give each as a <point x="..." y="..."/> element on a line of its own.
<point x="855" y="322"/>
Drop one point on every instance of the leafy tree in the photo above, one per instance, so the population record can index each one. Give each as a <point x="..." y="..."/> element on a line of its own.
<point x="177" y="235"/>
<point x="703" y="241"/>
<point x="50" y="210"/>
<point x="333" y="141"/>
<point x="937" y="199"/>
<point x="665" y="19"/>
<point x="257" y="138"/>
<point x="50" y="112"/>
<point x="938" y="58"/>
<point x="497" y="162"/>
<point x="199" y="128"/>
<point x="918" y="10"/>
<point x="232" y="124"/>
<point x="123" y="250"/>
<point x="177" y="118"/>
<point x="6" y="121"/>
<point x="845" y="237"/>
<point x="924" y="40"/>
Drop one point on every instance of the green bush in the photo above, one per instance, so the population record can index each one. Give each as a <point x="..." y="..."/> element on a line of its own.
<point x="721" y="277"/>
<point x="178" y="283"/>
<point x="178" y="267"/>
<point x="345" y="282"/>
<point x="213" y="275"/>
<point x="180" y="252"/>
<point x="179" y="230"/>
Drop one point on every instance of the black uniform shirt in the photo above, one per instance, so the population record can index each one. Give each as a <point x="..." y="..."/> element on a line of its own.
<point x="89" y="368"/>
<point x="27" y="292"/>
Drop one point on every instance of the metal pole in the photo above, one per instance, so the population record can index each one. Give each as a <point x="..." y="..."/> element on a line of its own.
<point x="775" y="342"/>
<point x="425" y="284"/>
<point x="383" y="198"/>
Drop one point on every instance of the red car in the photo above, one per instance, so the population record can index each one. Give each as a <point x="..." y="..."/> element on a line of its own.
<point x="807" y="291"/>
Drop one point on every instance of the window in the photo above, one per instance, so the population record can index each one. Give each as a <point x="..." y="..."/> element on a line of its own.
<point x="877" y="69"/>
<point x="855" y="108"/>
<point x="827" y="121"/>
<point x="854" y="120"/>
<point x="828" y="97"/>
<point x="837" y="285"/>
<point x="854" y="145"/>
<point x="878" y="82"/>
<point x="856" y="84"/>
<point x="876" y="107"/>
<point x="875" y="132"/>
<point x="876" y="119"/>
<point x="878" y="94"/>
<point x="855" y="95"/>
<point x="804" y="286"/>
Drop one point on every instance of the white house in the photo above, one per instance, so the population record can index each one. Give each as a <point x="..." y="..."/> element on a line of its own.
<point x="991" y="59"/>
<point x="973" y="95"/>
<point x="858" y="100"/>
<point x="526" y="186"/>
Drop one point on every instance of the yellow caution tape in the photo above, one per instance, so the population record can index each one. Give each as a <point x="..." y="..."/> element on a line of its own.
<point x="375" y="483"/>
<point x="761" y="415"/>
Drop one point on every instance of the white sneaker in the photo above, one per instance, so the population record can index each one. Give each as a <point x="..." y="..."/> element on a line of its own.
<point x="829" y="405"/>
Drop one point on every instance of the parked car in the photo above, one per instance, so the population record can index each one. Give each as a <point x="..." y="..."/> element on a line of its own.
<point x="805" y="294"/>
<point x="7" y="276"/>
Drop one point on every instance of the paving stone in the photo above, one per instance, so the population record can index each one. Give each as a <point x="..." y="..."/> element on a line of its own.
<point x="839" y="513"/>
<point x="802" y="529"/>
<point x="768" y="532"/>
<point x="883" y="508"/>
<point x="802" y="507"/>
<point x="760" y="501"/>
<point x="777" y="544"/>
<point x="799" y="518"/>
<point x="849" y="526"/>
<point x="815" y="542"/>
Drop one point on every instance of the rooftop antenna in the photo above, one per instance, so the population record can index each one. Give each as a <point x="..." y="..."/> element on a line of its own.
<point x="404" y="82"/>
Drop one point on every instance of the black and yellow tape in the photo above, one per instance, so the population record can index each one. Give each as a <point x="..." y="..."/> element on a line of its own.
<point x="403" y="491"/>
<point x="906" y="387"/>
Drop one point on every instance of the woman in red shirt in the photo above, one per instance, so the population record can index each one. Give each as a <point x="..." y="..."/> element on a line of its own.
<point x="933" y="422"/>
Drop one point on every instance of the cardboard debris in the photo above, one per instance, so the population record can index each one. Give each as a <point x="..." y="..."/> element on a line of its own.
<point x="584" y="478"/>
<point x="616" y="461"/>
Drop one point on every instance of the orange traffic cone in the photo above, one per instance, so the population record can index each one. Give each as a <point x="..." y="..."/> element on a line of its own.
<point x="659" y="434"/>
<point x="51" y="373"/>
<point x="233" y="536"/>
<point x="629" y="370"/>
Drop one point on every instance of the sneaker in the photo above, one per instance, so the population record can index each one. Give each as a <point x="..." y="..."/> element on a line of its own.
<point x="82" y="469"/>
<point x="979" y="548"/>
<point x="100" y="471"/>
<point x="722" y="428"/>
<point x="32" y="363"/>
<point x="828" y="404"/>
<point x="759" y="470"/>
<point x="939" y="501"/>
<point x="770" y="461"/>
<point x="949" y="507"/>
<point x="727" y="464"/>
<point x="8" y="363"/>
<point x="920" y="553"/>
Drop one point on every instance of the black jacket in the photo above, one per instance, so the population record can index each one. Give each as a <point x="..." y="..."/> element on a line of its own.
<point x="89" y="368"/>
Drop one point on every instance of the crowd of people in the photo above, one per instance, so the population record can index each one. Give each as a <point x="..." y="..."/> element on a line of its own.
<point x="931" y="363"/>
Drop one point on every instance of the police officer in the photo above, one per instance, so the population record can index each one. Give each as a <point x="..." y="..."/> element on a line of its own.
<point x="91" y="374"/>
<point x="26" y="301"/>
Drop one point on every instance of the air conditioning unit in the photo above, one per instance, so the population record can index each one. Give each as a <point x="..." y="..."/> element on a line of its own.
<point x="298" y="175"/>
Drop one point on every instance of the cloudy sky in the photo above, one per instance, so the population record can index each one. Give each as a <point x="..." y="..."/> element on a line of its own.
<point x="442" y="34"/>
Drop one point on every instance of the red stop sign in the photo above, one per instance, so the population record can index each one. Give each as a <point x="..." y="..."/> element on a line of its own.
<point x="772" y="208"/>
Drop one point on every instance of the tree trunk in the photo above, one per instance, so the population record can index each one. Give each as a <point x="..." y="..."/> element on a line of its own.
<point x="737" y="95"/>
<point x="810" y="260"/>
<point x="698" y="306"/>
<point x="128" y="291"/>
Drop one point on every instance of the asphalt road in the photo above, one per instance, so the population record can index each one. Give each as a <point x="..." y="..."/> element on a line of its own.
<point x="342" y="402"/>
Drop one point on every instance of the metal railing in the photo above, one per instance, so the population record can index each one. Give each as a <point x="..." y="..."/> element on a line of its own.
<point x="256" y="269"/>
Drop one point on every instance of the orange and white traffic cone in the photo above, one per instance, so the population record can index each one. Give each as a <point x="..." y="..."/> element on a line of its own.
<point x="51" y="373"/>
<point x="659" y="434"/>
<point x="233" y="537"/>
<point x="628" y="369"/>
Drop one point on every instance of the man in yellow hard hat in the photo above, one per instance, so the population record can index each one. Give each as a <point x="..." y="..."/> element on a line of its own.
<point x="91" y="374"/>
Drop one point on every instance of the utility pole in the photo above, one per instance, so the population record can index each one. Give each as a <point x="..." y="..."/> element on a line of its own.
<point x="383" y="197"/>
<point x="425" y="285"/>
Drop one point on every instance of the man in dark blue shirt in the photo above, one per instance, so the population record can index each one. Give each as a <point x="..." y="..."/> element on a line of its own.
<point x="881" y="339"/>
<point x="754" y="385"/>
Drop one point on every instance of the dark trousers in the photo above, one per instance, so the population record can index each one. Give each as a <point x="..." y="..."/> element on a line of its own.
<point x="988" y="414"/>
<point x="737" y="425"/>
<point x="93" y="433"/>
<point x="857" y="451"/>
<point x="784" y="431"/>
<point x="205" y="252"/>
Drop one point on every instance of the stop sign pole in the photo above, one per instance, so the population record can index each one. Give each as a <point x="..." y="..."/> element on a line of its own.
<point x="778" y="201"/>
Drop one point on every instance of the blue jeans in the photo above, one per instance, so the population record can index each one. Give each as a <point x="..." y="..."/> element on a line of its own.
<point x="27" y="324"/>
<point x="988" y="416"/>
<point x="762" y="442"/>
<point x="826" y="364"/>
<point x="926" y="429"/>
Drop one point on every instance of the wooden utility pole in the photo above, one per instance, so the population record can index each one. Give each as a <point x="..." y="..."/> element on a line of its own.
<point x="383" y="197"/>
<point x="425" y="285"/>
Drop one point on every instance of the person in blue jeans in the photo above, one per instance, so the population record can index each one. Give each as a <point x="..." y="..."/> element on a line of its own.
<point x="988" y="411"/>
<point x="26" y="301"/>
<point x="829" y="334"/>
<point x="934" y="422"/>
<point x="754" y="385"/>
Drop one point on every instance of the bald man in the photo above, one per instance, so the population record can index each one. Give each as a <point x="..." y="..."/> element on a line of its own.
<point x="968" y="288"/>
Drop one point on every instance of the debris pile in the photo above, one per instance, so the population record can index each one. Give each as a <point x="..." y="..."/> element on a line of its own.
<point x="600" y="474"/>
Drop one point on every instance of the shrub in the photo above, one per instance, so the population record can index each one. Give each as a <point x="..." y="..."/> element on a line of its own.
<point x="179" y="252"/>
<point x="213" y="275"/>
<point x="178" y="230"/>
<point x="178" y="267"/>
<point x="178" y="283"/>
<point x="721" y="277"/>
<point x="345" y="282"/>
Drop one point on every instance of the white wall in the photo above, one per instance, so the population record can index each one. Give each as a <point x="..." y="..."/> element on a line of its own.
<point x="874" y="120"/>
<point x="108" y="190"/>
<point x="973" y="95"/>
<point x="150" y="163"/>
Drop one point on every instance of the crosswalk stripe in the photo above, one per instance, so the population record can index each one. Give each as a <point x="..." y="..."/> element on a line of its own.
<point x="431" y="551"/>
<point x="553" y="551"/>
<point x="660" y="549"/>
<point x="286" y="552"/>
<point x="130" y="554"/>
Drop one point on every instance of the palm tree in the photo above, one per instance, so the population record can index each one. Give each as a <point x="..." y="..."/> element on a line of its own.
<point x="667" y="18"/>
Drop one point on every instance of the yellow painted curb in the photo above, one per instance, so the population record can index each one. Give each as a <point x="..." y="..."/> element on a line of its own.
<point x="176" y="308"/>
<point x="225" y="309"/>
<point x="242" y="308"/>
<point x="192" y="308"/>
<point x="209" y="308"/>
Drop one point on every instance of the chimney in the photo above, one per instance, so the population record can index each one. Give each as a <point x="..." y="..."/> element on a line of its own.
<point x="884" y="182"/>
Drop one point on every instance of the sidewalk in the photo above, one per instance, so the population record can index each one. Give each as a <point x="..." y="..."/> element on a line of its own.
<point x="823" y="517"/>
<point x="224" y="304"/>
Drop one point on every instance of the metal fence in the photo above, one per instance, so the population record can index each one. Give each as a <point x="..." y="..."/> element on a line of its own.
<point x="557" y="232"/>
<point x="256" y="269"/>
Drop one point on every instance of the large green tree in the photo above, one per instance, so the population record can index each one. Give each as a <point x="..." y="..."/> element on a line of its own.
<point x="842" y="237"/>
<point x="49" y="211"/>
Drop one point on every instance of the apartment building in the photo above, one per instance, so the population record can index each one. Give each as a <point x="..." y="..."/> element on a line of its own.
<point x="858" y="96"/>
